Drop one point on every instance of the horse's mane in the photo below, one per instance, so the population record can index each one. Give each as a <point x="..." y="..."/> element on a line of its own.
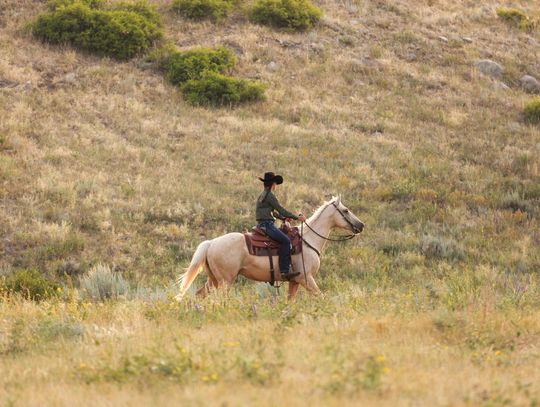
<point x="319" y="211"/>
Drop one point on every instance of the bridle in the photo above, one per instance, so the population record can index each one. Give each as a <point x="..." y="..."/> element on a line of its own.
<point x="348" y="237"/>
<point x="343" y="238"/>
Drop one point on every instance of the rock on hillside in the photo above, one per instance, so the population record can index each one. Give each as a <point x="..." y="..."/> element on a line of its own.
<point x="490" y="68"/>
<point x="530" y="84"/>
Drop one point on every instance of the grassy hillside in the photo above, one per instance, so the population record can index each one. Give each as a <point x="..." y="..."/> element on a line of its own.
<point x="437" y="302"/>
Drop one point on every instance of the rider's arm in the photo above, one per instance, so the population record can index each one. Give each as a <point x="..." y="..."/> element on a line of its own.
<point x="277" y="215"/>
<point x="272" y="200"/>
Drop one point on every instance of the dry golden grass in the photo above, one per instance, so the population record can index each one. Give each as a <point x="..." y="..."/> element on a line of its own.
<point x="377" y="347"/>
<point x="246" y="350"/>
<point x="102" y="161"/>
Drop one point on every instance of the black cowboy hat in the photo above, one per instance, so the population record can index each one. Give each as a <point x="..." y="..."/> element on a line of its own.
<point x="270" y="178"/>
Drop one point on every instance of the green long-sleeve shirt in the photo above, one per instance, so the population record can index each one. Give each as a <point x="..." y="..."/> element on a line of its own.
<point x="268" y="203"/>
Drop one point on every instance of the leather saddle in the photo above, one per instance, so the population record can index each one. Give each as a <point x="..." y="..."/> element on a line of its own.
<point x="259" y="244"/>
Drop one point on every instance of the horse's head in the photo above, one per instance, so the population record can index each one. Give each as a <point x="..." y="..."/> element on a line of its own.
<point x="343" y="218"/>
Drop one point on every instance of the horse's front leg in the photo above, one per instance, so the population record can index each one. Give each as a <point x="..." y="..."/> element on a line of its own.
<point x="293" y="289"/>
<point x="311" y="285"/>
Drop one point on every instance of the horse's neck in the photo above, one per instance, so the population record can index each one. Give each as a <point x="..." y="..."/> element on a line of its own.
<point x="322" y="226"/>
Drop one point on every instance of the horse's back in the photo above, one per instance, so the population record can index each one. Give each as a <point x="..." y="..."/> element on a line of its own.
<point x="229" y="244"/>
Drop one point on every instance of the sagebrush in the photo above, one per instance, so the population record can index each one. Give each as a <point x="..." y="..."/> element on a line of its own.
<point x="101" y="283"/>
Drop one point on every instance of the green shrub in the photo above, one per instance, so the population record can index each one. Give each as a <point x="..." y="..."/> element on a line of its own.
<point x="183" y="66"/>
<point x="121" y="32"/>
<point x="30" y="284"/>
<point x="517" y="18"/>
<point x="102" y="283"/>
<point x="531" y="112"/>
<point x="64" y="24"/>
<point x="55" y="4"/>
<point x="215" y="89"/>
<point x="293" y="14"/>
<point x="141" y="8"/>
<point x="201" y="9"/>
<point x="199" y="72"/>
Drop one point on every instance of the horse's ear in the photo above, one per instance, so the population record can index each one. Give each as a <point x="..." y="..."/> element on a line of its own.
<point x="339" y="198"/>
<point x="329" y="196"/>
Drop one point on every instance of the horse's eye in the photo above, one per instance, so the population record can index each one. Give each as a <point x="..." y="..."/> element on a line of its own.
<point x="346" y="210"/>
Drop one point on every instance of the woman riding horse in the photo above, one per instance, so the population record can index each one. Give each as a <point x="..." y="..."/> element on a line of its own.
<point x="267" y="205"/>
<point x="226" y="257"/>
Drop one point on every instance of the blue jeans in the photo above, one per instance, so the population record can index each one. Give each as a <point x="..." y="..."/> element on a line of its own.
<point x="285" y="247"/>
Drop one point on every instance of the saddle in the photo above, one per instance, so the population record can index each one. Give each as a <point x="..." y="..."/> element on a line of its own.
<point x="259" y="244"/>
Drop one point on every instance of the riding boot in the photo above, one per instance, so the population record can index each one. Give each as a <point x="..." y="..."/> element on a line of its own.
<point x="289" y="274"/>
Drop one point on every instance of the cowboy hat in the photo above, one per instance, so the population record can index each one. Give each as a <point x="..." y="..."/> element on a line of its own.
<point x="270" y="178"/>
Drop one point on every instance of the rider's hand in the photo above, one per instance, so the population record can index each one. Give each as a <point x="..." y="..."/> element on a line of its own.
<point x="288" y="220"/>
<point x="301" y="218"/>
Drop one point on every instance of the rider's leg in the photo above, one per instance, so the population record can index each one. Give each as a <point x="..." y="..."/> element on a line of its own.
<point x="284" y="251"/>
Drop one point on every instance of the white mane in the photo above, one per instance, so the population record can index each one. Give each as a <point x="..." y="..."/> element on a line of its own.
<point x="320" y="210"/>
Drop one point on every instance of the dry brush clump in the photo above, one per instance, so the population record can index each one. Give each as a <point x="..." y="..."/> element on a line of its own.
<point x="437" y="247"/>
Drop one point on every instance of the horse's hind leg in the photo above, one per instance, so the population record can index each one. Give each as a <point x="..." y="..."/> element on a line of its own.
<point x="204" y="290"/>
<point x="223" y="272"/>
<point x="209" y="285"/>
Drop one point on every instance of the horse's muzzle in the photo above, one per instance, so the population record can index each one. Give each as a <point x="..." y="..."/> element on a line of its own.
<point x="358" y="228"/>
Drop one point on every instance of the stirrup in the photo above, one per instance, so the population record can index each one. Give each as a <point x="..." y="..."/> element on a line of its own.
<point x="290" y="275"/>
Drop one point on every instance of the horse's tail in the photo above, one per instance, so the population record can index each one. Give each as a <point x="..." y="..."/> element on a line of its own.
<point x="197" y="263"/>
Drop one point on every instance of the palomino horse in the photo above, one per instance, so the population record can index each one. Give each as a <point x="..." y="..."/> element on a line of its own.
<point x="227" y="256"/>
